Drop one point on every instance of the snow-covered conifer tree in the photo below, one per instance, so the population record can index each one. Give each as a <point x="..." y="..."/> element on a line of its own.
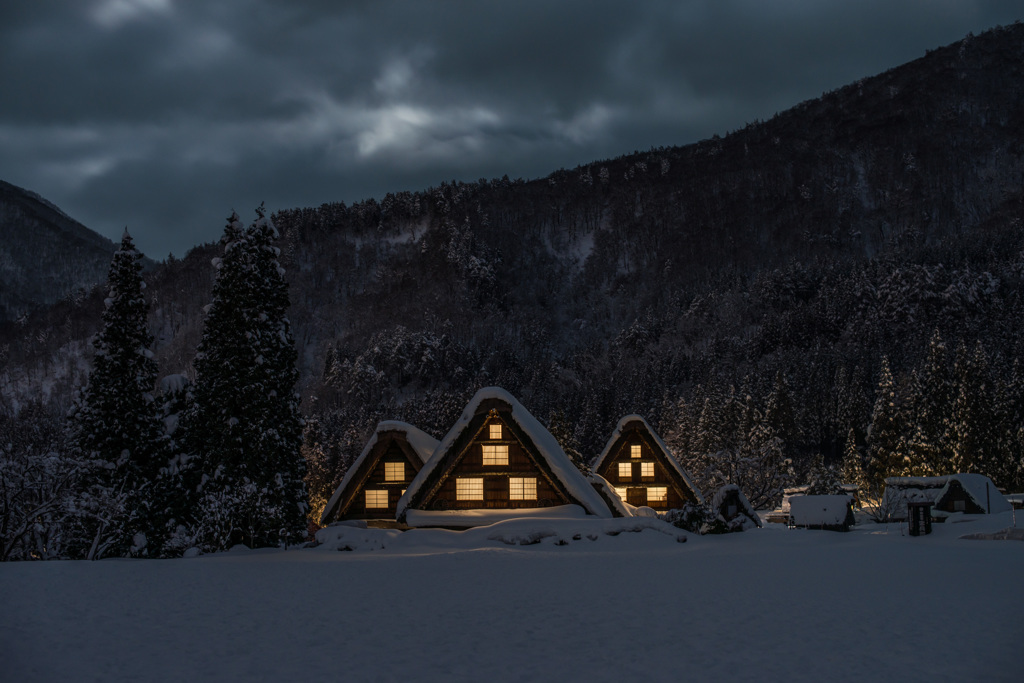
<point x="242" y="428"/>
<point x="884" y="435"/>
<point x="116" y="425"/>
<point x="929" y="450"/>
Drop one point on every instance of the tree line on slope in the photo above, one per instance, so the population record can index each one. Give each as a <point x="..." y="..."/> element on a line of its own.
<point x="205" y="464"/>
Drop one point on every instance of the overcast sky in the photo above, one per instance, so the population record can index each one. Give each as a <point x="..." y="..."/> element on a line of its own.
<point x="164" y="115"/>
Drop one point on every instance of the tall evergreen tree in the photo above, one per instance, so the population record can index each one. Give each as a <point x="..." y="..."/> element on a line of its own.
<point x="242" y="425"/>
<point x="884" y="435"/>
<point x="116" y="426"/>
<point x="929" y="440"/>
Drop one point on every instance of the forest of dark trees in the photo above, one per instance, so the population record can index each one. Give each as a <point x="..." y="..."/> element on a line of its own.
<point x="762" y="298"/>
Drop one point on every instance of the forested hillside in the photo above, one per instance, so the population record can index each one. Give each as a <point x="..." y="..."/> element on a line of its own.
<point x="745" y="294"/>
<point x="44" y="254"/>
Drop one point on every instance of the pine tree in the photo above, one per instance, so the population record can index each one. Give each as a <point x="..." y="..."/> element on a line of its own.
<point x="560" y="428"/>
<point x="853" y="466"/>
<point x="884" y="435"/>
<point x="116" y="425"/>
<point x="929" y="450"/>
<point x="973" y="427"/>
<point x="243" y="426"/>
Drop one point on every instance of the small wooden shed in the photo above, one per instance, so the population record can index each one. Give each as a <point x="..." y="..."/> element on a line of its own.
<point x="639" y="466"/>
<point x="380" y="475"/>
<point x="498" y="462"/>
<point x="732" y="510"/>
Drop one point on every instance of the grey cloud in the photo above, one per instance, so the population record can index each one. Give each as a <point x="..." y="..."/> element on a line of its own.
<point x="165" y="115"/>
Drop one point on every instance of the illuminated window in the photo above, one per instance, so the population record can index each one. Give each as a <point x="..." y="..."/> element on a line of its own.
<point x="522" y="488"/>
<point x="625" y="470"/>
<point x="394" y="471"/>
<point x="634" y="451"/>
<point x="495" y="454"/>
<point x="495" y="431"/>
<point x="647" y="469"/>
<point x="376" y="499"/>
<point x="469" y="488"/>
<point x="621" y="492"/>
<point x="657" y="494"/>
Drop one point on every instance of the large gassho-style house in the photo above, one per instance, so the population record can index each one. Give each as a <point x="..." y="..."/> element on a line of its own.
<point x="638" y="464"/>
<point x="498" y="462"/>
<point x="380" y="475"/>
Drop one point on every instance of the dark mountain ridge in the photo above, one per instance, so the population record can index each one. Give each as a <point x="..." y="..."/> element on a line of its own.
<point x="44" y="253"/>
<point x="785" y="259"/>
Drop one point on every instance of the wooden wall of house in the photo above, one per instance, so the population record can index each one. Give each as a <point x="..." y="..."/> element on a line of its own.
<point x="956" y="493"/>
<point x="393" y="452"/>
<point x="636" y="485"/>
<point x="496" y="477"/>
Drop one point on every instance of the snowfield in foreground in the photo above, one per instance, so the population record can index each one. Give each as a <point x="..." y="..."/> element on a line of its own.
<point x="769" y="604"/>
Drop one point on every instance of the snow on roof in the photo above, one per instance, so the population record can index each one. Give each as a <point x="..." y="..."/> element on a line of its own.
<point x="617" y="434"/>
<point x="819" y="510"/>
<point x="745" y="506"/>
<point x="900" y="490"/>
<point x="981" y="490"/>
<point x="422" y="444"/>
<point x="555" y="458"/>
<point x="618" y="505"/>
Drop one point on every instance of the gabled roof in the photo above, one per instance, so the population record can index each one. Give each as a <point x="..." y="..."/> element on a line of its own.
<point x="745" y="507"/>
<point x="421" y="443"/>
<point x="542" y="445"/>
<point x="900" y="490"/>
<point x="675" y="470"/>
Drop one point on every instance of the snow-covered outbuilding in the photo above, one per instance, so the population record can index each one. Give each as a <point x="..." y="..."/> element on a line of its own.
<point x="972" y="494"/>
<point x="639" y="466"/>
<point x="832" y="513"/>
<point x="733" y="511"/>
<point x="498" y="462"/>
<point x="380" y="475"/>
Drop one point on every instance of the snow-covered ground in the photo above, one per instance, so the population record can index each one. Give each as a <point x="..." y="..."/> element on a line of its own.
<point x="769" y="604"/>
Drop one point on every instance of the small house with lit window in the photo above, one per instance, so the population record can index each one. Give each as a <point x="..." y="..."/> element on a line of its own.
<point x="380" y="475"/>
<point x="638" y="464"/>
<point x="498" y="462"/>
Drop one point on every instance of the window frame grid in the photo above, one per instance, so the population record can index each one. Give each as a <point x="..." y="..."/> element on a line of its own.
<point x="497" y="450"/>
<point x="466" y="488"/>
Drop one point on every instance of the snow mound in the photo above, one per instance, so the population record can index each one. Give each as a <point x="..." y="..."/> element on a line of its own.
<point x="511" y="532"/>
<point x="1007" y="534"/>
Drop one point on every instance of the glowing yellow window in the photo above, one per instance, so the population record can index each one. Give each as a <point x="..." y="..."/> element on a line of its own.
<point x="394" y="471"/>
<point x="495" y="431"/>
<point x="469" y="488"/>
<point x="620" y="491"/>
<point x="625" y="470"/>
<point x="634" y="451"/>
<point x="495" y="454"/>
<point x="657" y="494"/>
<point x="522" y="488"/>
<point x="647" y="469"/>
<point x="376" y="499"/>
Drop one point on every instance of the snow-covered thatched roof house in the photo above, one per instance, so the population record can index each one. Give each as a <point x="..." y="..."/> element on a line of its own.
<point x="498" y="462"/>
<point x="732" y="510"/>
<point x="380" y="475"/>
<point x="638" y="464"/>
<point x="972" y="494"/>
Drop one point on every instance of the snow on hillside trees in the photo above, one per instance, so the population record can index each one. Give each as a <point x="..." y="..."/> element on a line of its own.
<point x="37" y="483"/>
<point x="116" y="427"/>
<point x="242" y="430"/>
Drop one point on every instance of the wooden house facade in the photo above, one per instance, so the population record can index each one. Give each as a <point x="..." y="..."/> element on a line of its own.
<point x="497" y="462"/>
<point x="380" y="475"/>
<point x="639" y="466"/>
